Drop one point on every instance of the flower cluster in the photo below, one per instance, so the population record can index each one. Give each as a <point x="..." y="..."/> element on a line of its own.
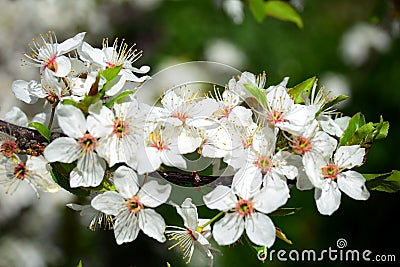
<point x="110" y="146"/>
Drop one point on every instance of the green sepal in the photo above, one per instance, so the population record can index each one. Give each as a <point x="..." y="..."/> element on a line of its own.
<point x="296" y="92"/>
<point x="258" y="93"/>
<point x="283" y="11"/>
<point x="42" y="129"/>
<point x="386" y="182"/>
<point x="284" y="211"/>
<point x="60" y="174"/>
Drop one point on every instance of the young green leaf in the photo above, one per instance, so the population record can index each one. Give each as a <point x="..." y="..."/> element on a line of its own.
<point x="332" y="102"/>
<point x="283" y="11"/>
<point x="364" y="134"/>
<point x="386" y="182"/>
<point x="110" y="74"/>
<point x="257" y="93"/>
<point x="80" y="264"/>
<point x="258" y="10"/>
<point x="305" y="86"/>
<point x="119" y="97"/>
<point x="355" y="123"/>
<point x="42" y="129"/>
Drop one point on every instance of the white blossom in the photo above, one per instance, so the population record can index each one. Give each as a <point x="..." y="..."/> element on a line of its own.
<point x="132" y="207"/>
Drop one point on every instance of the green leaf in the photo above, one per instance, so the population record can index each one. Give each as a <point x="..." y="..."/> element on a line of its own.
<point x="42" y="129"/>
<point x="261" y="252"/>
<point x="258" y="9"/>
<point x="332" y="102"/>
<point x="283" y="11"/>
<point x="60" y="174"/>
<point x="80" y="264"/>
<point x="119" y="97"/>
<point x="382" y="129"/>
<point x="305" y="86"/>
<point x="355" y="123"/>
<point x="364" y="134"/>
<point x="386" y="182"/>
<point x="110" y="73"/>
<point x="285" y="211"/>
<point x="258" y="93"/>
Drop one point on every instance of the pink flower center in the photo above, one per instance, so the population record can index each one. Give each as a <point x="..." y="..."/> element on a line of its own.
<point x="134" y="205"/>
<point x="190" y="232"/>
<point x="275" y="116"/>
<point x="301" y="145"/>
<point x="180" y="116"/>
<point x="157" y="141"/>
<point x="51" y="64"/>
<point x="88" y="142"/>
<point x="20" y="171"/>
<point x="330" y="171"/>
<point x="248" y="142"/>
<point x="244" y="207"/>
<point x="264" y="163"/>
<point x="225" y="112"/>
<point x="120" y="128"/>
<point x="8" y="148"/>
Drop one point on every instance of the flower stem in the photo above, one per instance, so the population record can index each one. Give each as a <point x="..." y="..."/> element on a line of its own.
<point x="53" y="110"/>
<point x="212" y="219"/>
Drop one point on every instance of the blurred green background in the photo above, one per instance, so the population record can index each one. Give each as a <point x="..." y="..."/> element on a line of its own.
<point x="351" y="46"/>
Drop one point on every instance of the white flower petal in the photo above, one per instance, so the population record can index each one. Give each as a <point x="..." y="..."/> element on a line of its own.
<point x="221" y="198"/>
<point x="21" y="91"/>
<point x="63" y="66"/>
<point x="154" y="194"/>
<point x="152" y="224"/>
<point x="247" y="181"/>
<point x="63" y="149"/>
<point x="353" y="184"/>
<point x="273" y="195"/>
<point x="70" y="44"/>
<point x="149" y="160"/>
<point x="126" y="227"/>
<point x="126" y="181"/>
<point x="229" y="229"/>
<point x="260" y="229"/>
<point x="171" y="158"/>
<point x="16" y="116"/>
<point x="349" y="156"/>
<point x="91" y="167"/>
<point x="327" y="198"/>
<point x="109" y="202"/>
<point x="72" y="121"/>
<point x="188" y="212"/>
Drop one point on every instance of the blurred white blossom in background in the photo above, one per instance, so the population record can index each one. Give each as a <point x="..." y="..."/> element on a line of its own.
<point x="223" y="51"/>
<point x="23" y="19"/>
<point x="360" y="40"/>
<point x="336" y="84"/>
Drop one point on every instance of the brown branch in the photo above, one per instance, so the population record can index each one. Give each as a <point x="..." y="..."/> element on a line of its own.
<point x="31" y="142"/>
